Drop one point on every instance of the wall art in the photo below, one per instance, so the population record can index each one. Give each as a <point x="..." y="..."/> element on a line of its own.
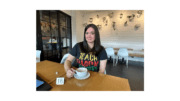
<point x="97" y="16"/>
<point x="90" y="20"/>
<point x="136" y="27"/>
<point x="98" y="26"/>
<point x="114" y="25"/>
<point x="85" y="24"/>
<point x="139" y="13"/>
<point x="131" y="17"/>
<point x="121" y="15"/>
<point x="105" y="21"/>
<point x="125" y="24"/>
<point x="111" y="15"/>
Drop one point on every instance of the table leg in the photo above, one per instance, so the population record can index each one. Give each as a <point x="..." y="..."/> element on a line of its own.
<point x="127" y="62"/>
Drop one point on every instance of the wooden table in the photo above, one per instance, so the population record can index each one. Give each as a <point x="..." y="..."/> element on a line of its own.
<point x="130" y="54"/>
<point x="119" y="48"/>
<point x="136" y="55"/>
<point x="96" y="81"/>
<point x="133" y="54"/>
<point x="47" y="70"/>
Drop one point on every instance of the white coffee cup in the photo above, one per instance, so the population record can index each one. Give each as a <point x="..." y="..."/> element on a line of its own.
<point x="81" y="72"/>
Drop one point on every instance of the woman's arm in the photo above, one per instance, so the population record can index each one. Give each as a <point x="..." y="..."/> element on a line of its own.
<point x="102" y="66"/>
<point x="67" y="66"/>
<point x="67" y="63"/>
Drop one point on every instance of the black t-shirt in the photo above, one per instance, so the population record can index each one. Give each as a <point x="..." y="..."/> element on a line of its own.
<point x="91" y="62"/>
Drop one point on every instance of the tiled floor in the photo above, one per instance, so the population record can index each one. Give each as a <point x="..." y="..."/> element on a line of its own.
<point x="134" y="73"/>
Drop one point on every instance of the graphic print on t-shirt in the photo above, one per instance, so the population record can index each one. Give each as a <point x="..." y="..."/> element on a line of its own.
<point x="89" y="61"/>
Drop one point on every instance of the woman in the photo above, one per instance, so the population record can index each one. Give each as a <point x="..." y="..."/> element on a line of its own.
<point x="89" y="53"/>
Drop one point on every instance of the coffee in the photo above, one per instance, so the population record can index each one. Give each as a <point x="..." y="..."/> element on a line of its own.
<point x="81" y="72"/>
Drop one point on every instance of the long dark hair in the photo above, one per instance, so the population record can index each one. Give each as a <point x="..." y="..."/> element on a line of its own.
<point x="97" y="43"/>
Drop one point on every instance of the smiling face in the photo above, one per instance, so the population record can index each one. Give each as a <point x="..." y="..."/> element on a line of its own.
<point x="90" y="35"/>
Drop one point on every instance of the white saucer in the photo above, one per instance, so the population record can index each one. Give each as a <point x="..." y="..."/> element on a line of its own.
<point x="82" y="78"/>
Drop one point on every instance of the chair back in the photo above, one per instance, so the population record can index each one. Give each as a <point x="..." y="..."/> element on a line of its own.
<point x="38" y="53"/>
<point x="123" y="52"/>
<point x="64" y="58"/>
<point x="104" y="71"/>
<point x="110" y="51"/>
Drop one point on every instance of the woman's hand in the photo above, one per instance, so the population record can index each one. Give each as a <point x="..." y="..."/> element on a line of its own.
<point x="70" y="73"/>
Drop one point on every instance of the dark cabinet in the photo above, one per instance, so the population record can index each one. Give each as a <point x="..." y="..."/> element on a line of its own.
<point x="53" y="34"/>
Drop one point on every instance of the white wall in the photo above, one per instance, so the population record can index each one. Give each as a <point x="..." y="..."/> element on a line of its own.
<point x="72" y="13"/>
<point x="79" y="26"/>
<point x="122" y="36"/>
<point x="73" y="24"/>
<point x="69" y="12"/>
